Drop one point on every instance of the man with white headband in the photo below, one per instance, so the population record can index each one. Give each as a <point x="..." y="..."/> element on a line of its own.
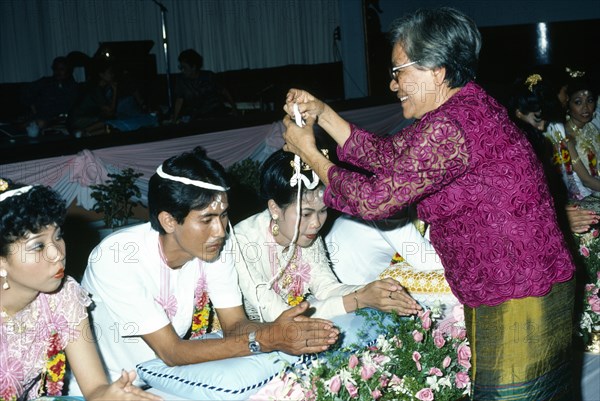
<point x="154" y="282"/>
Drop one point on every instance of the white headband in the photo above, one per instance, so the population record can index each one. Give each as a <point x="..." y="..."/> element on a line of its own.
<point x="14" y="192"/>
<point x="187" y="181"/>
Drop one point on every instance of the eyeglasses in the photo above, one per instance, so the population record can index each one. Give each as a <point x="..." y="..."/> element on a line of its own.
<point x="394" y="70"/>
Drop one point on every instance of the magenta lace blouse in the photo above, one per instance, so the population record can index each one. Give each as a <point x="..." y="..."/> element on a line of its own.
<point x="477" y="182"/>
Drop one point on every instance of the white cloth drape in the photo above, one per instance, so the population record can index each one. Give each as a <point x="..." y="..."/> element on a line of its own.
<point x="72" y="175"/>
<point x="230" y="34"/>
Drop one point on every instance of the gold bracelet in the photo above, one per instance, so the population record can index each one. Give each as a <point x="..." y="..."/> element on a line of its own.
<point x="356" y="299"/>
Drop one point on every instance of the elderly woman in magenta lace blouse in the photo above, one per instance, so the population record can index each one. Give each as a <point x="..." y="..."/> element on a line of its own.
<point x="276" y="272"/>
<point x="475" y="179"/>
<point x="43" y="313"/>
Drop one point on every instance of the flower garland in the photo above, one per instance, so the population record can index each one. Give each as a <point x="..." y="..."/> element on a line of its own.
<point x="561" y="154"/>
<point x="54" y="372"/>
<point x="587" y="144"/>
<point x="291" y="284"/>
<point x="203" y="312"/>
<point x="413" y="359"/>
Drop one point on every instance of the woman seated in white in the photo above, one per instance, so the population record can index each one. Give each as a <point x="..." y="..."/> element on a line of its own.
<point x="282" y="259"/>
<point x="361" y="251"/>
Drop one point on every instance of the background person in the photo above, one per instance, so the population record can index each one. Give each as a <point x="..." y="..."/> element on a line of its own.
<point x="51" y="98"/>
<point x="197" y="92"/>
<point x="477" y="182"/>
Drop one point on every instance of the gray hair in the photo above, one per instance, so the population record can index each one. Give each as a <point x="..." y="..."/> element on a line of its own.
<point x="441" y="37"/>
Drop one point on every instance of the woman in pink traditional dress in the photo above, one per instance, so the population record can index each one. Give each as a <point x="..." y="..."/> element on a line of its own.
<point x="43" y="313"/>
<point x="476" y="180"/>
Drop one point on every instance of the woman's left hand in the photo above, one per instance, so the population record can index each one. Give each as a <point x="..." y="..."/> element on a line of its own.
<point x="387" y="295"/>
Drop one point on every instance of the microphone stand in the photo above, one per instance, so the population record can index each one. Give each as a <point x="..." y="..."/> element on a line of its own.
<point x="163" y="15"/>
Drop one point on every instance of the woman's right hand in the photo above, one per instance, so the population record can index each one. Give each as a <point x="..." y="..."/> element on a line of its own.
<point x="387" y="295"/>
<point x="310" y="107"/>
<point x="123" y="389"/>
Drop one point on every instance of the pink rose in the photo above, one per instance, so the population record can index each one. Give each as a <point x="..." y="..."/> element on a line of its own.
<point x="376" y="394"/>
<point x="418" y="336"/>
<point x="594" y="304"/>
<point x="335" y="384"/>
<point x="584" y="251"/>
<point x="417" y="357"/>
<point x="438" y="339"/>
<point x="353" y="362"/>
<point x="435" y="371"/>
<point x="425" y="319"/>
<point x="461" y="380"/>
<point x="464" y="355"/>
<point x="395" y="380"/>
<point x="384" y="380"/>
<point x="595" y="233"/>
<point x="367" y="371"/>
<point x="589" y="287"/>
<point x="446" y="362"/>
<point x="352" y="390"/>
<point x="459" y="333"/>
<point x="425" y="394"/>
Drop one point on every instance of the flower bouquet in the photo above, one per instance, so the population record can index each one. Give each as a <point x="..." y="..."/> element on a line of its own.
<point x="590" y="317"/>
<point x="414" y="358"/>
<point x="589" y="249"/>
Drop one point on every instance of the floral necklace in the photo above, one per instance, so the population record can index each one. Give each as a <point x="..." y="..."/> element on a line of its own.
<point x="53" y="373"/>
<point x="561" y="156"/>
<point x="291" y="284"/>
<point x="201" y="318"/>
<point x="586" y="138"/>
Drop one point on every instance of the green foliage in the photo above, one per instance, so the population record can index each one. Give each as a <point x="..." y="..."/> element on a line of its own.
<point x="115" y="198"/>
<point x="246" y="173"/>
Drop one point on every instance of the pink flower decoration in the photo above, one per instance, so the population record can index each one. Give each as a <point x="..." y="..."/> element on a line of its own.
<point x="384" y="380"/>
<point x="589" y="287"/>
<point x="425" y="394"/>
<point x="367" y="372"/>
<point x="594" y="304"/>
<point x="335" y="384"/>
<point x="54" y="387"/>
<point x="584" y="251"/>
<point x="459" y="333"/>
<point x="417" y="357"/>
<point x="418" y="336"/>
<point x="438" y="339"/>
<point x="595" y="233"/>
<point x="353" y="362"/>
<point x="281" y="389"/>
<point x="395" y="380"/>
<point x="464" y="355"/>
<point x="376" y="394"/>
<point x="446" y="362"/>
<point x="352" y="390"/>
<point x="425" y="319"/>
<point x="462" y="380"/>
<point x="435" y="371"/>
